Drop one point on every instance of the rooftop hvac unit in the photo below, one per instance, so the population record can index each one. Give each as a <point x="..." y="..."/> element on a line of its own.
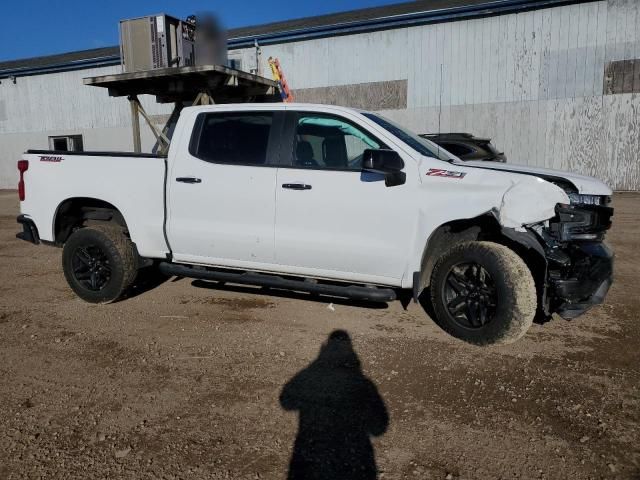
<point x="157" y="41"/>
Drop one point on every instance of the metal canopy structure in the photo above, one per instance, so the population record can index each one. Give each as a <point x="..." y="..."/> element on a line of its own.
<point x="198" y="85"/>
<point x="181" y="84"/>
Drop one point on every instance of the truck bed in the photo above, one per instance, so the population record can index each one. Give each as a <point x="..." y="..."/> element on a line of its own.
<point x="96" y="153"/>
<point x="131" y="182"/>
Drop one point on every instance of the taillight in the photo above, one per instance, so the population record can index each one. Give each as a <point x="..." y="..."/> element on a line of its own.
<point x="23" y="166"/>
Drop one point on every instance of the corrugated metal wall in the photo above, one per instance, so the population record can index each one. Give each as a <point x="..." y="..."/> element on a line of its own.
<point x="40" y="106"/>
<point x="532" y="81"/>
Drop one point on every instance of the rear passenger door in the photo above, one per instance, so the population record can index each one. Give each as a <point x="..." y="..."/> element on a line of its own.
<point x="222" y="190"/>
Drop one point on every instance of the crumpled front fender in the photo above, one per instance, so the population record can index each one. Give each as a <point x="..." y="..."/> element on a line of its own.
<point x="528" y="201"/>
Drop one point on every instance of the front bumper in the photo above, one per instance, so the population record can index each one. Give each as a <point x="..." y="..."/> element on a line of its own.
<point x="29" y="231"/>
<point x="579" y="270"/>
<point x="583" y="283"/>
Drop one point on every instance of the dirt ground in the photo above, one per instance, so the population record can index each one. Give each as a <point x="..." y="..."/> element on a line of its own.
<point x="189" y="380"/>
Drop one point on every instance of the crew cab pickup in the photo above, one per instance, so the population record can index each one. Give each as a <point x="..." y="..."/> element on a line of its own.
<point x="328" y="200"/>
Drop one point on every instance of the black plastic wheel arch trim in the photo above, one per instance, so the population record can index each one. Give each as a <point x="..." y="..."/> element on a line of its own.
<point x="29" y="230"/>
<point x="353" y="292"/>
<point x="416" y="291"/>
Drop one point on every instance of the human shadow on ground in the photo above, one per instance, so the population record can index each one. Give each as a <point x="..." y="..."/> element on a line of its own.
<point x="339" y="411"/>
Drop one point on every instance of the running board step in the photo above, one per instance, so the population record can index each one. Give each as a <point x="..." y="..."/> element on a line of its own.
<point x="353" y="292"/>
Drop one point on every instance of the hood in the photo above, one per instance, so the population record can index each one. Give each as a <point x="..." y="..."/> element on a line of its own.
<point x="584" y="184"/>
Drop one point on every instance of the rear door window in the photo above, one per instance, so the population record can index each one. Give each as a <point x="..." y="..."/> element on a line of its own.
<point x="240" y="138"/>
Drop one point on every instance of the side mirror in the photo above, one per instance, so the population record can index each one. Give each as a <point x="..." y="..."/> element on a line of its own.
<point x="387" y="163"/>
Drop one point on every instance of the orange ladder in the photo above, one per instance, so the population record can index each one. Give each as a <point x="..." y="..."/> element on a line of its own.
<point x="278" y="76"/>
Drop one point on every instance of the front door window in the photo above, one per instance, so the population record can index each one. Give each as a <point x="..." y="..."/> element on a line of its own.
<point x="331" y="143"/>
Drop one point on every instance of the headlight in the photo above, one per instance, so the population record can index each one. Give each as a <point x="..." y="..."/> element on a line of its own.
<point x="578" y="199"/>
<point x="580" y="222"/>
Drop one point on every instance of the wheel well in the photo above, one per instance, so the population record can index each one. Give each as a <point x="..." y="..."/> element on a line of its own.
<point x="448" y="235"/>
<point x="485" y="227"/>
<point x="77" y="212"/>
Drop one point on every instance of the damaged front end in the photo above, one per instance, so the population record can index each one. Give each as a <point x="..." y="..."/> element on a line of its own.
<point x="579" y="263"/>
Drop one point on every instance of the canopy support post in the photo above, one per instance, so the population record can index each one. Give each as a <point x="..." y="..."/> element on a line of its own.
<point x="160" y="137"/>
<point x="135" y="123"/>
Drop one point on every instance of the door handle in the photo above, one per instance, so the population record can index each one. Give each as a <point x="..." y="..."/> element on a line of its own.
<point x="188" y="180"/>
<point x="296" y="186"/>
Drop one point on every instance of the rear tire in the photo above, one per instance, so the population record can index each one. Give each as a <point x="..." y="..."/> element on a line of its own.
<point x="483" y="293"/>
<point x="99" y="263"/>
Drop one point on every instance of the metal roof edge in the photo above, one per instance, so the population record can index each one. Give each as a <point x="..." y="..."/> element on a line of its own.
<point x="61" y="67"/>
<point x="489" y="8"/>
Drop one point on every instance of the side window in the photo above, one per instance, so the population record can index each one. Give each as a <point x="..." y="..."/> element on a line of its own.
<point x="325" y="141"/>
<point x="240" y="138"/>
<point x="67" y="143"/>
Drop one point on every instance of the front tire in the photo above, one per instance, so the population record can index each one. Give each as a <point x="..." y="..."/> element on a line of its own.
<point x="99" y="263"/>
<point x="483" y="293"/>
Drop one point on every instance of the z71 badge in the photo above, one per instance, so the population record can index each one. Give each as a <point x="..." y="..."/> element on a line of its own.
<point x="438" y="172"/>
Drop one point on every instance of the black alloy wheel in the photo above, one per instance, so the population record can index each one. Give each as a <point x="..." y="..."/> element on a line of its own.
<point x="100" y="262"/>
<point x="470" y="295"/>
<point x="91" y="267"/>
<point x="483" y="293"/>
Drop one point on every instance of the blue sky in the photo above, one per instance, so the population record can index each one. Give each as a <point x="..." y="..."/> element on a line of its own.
<point x="42" y="27"/>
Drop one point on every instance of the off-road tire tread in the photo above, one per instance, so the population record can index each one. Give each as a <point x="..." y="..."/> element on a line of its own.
<point x="121" y="248"/>
<point x="126" y="249"/>
<point x="517" y="314"/>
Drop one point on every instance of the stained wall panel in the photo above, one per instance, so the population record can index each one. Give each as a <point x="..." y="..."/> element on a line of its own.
<point x="388" y="95"/>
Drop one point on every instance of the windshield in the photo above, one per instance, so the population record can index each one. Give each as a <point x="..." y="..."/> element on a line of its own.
<point x="420" y="145"/>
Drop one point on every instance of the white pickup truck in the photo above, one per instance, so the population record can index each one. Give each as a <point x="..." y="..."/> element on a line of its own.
<point x="332" y="201"/>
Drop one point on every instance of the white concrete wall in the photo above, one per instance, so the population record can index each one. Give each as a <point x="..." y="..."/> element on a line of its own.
<point x="531" y="81"/>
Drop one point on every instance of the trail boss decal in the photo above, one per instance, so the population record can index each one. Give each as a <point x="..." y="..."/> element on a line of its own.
<point x="438" y="172"/>
<point x="46" y="158"/>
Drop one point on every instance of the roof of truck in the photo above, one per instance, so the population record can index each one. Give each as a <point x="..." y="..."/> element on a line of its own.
<point x="248" y="106"/>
